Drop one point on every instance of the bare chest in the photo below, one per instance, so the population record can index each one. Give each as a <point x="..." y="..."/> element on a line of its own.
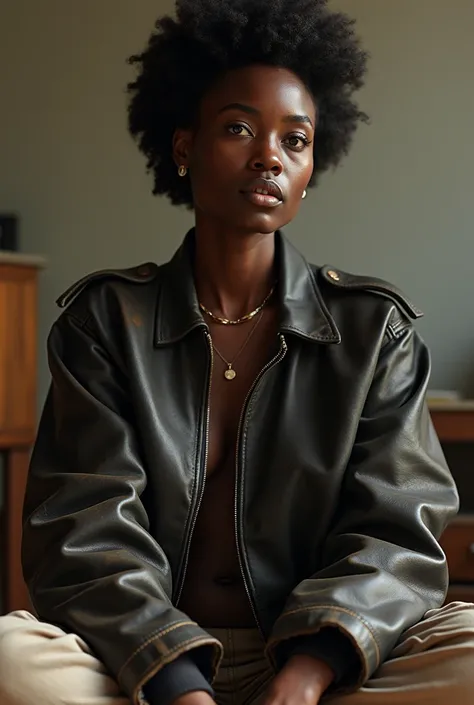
<point x="239" y="355"/>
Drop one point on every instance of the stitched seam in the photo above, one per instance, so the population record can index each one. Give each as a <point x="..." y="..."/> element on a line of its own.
<point x="167" y="660"/>
<point x="324" y="310"/>
<point x="78" y="287"/>
<point x="344" y="610"/>
<point x="393" y="335"/>
<point x="320" y="337"/>
<point x="397" y="331"/>
<point x="399" y="326"/>
<point x="374" y="287"/>
<point x="321" y="302"/>
<point x="137" y="696"/>
<point x="401" y="299"/>
<point x="320" y="299"/>
<point x="379" y="289"/>
<point x="156" y="635"/>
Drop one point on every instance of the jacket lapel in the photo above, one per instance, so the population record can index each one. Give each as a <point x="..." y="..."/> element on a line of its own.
<point x="303" y="311"/>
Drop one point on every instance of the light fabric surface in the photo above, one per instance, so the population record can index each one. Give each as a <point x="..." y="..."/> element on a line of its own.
<point x="433" y="664"/>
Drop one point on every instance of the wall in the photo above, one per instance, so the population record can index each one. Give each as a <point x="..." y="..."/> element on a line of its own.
<point x="400" y="207"/>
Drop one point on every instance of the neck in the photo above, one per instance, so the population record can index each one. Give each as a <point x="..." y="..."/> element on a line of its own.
<point x="233" y="273"/>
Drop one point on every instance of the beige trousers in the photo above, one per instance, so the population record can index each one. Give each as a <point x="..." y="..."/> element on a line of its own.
<point x="433" y="664"/>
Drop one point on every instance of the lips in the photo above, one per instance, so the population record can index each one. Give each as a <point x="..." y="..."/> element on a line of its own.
<point x="265" y="187"/>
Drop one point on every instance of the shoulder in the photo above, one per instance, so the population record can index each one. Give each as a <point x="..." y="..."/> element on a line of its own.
<point x="107" y="295"/>
<point x="341" y="283"/>
<point x="134" y="276"/>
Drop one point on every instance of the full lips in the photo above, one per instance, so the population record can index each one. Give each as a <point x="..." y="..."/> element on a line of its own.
<point x="260" y="199"/>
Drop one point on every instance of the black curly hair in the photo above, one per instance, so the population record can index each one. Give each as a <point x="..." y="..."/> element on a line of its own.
<point x="186" y="55"/>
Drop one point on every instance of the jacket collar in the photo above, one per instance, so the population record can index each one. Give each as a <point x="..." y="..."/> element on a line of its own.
<point x="303" y="311"/>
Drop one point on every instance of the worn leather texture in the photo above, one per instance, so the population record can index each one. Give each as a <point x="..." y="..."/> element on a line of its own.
<point x="342" y="490"/>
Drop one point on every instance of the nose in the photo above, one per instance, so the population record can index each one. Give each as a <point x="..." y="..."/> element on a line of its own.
<point x="266" y="158"/>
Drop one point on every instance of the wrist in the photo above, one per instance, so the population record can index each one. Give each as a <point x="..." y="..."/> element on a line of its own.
<point x="196" y="697"/>
<point x="320" y="671"/>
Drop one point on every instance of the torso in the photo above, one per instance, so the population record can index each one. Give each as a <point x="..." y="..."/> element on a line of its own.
<point x="214" y="594"/>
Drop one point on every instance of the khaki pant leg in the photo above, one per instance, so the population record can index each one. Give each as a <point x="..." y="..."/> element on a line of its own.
<point x="433" y="664"/>
<point x="42" y="665"/>
<point x="245" y="672"/>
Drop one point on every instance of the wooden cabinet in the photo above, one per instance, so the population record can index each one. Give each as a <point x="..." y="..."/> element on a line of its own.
<point x="454" y="424"/>
<point x="18" y="363"/>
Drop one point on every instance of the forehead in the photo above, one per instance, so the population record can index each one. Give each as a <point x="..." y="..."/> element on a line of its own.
<point x="273" y="91"/>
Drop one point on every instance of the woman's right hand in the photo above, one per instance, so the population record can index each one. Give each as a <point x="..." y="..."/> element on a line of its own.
<point x="198" y="697"/>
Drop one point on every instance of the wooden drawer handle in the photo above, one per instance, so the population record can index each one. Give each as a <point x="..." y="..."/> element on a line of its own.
<point x="471" y="549"/>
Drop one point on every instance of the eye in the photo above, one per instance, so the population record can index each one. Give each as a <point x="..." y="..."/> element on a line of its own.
<point x="238" y="129"/>
<point x="298" y="142"/>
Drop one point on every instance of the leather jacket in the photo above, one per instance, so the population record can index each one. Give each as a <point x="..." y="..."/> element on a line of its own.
<point x="342" y="490"/>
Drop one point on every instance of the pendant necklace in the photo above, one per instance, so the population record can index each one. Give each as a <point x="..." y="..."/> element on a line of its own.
<point x="230" y="373"/>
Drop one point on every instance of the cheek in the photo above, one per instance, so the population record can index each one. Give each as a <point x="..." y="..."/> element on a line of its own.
<point x="302" y="167"/>
<point x="218" y="159"/>
<point x="213" y="172"/>
<point x="299" y="178"/>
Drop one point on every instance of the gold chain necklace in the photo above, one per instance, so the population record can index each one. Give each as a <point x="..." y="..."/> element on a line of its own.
<point x="230" y="373"/>
<point x="242" y="319"/>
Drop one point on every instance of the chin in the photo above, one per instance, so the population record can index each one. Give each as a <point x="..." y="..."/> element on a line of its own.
<point x="260" y="223"/>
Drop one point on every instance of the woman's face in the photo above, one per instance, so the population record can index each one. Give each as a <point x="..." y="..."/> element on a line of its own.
<point x="255" y="132"/>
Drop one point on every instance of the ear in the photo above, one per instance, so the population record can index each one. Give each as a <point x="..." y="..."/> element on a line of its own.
<point x="182" y="145"/>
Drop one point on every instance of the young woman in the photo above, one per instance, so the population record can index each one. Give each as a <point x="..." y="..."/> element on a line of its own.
<point x="236" y="493"/>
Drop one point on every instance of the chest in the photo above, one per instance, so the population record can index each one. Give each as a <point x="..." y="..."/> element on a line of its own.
<point x="240" y="354"/>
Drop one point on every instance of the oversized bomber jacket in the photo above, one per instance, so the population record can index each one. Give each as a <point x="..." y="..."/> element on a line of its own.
<point x="342" y="490"/>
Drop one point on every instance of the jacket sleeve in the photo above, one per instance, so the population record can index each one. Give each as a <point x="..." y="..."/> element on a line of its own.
<point x="382" y="566"/>
<point x="90" y="563"/>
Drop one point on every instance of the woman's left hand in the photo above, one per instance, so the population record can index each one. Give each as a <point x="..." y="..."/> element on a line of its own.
<point x="302" y="681"/>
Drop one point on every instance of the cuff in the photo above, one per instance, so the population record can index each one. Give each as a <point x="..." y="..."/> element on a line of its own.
<point x="329" y="645"/>
<point x="174" y="680"/>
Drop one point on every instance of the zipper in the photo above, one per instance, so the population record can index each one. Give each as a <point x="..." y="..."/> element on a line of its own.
<point x="203" y="484"/>
<point x="272" y="363"/>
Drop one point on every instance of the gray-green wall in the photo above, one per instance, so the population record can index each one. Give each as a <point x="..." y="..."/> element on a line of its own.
<point x="401" y="207"/>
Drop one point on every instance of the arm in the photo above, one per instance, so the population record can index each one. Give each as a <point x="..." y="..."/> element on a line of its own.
<point x="382" y="566"/>
<point x="90" y="563"/>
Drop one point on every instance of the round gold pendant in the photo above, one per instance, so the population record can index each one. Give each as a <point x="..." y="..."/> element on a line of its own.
<point x="230" y="374"/>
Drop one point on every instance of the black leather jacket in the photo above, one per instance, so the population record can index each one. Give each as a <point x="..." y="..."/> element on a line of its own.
<point x="342" y="490"/>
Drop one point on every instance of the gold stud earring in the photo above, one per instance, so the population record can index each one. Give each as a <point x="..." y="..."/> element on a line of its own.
<point x="182" y="171"/>
<point x="304" y="194"/>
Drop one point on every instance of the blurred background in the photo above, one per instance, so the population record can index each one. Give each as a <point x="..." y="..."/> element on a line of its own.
<point x="400" y="207"/>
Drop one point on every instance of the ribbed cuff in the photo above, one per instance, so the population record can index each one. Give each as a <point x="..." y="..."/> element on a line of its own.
<point x="329" y="645"/>
<point x="174" y="680"/>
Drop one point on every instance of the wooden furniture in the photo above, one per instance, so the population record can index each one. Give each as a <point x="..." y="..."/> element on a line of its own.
<point x="18" y="363"/>
<point x="454" y="423"/>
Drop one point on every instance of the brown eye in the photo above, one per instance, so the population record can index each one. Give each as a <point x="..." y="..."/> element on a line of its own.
<point x="298" y="142"/>
<point x="238" y="129"/>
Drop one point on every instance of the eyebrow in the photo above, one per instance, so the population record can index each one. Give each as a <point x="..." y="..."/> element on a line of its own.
<point x="253" y="111"/>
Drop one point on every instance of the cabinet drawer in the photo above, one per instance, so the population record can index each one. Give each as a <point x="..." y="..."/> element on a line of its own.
<point x="458" y="544"/>
<point x="17" y="353"/>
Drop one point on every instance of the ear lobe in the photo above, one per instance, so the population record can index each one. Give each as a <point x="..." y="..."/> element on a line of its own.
<point x="182" y="142"/>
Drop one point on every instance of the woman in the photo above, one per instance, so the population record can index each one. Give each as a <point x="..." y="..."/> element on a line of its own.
<point x="236" y="493"/>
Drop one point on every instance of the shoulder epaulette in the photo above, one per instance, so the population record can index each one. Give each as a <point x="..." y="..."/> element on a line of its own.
<point x="136" y="275"/>
<point x="354" y="282"/>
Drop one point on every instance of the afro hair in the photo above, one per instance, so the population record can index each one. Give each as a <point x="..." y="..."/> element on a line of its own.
<point x="186" y="55"/>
